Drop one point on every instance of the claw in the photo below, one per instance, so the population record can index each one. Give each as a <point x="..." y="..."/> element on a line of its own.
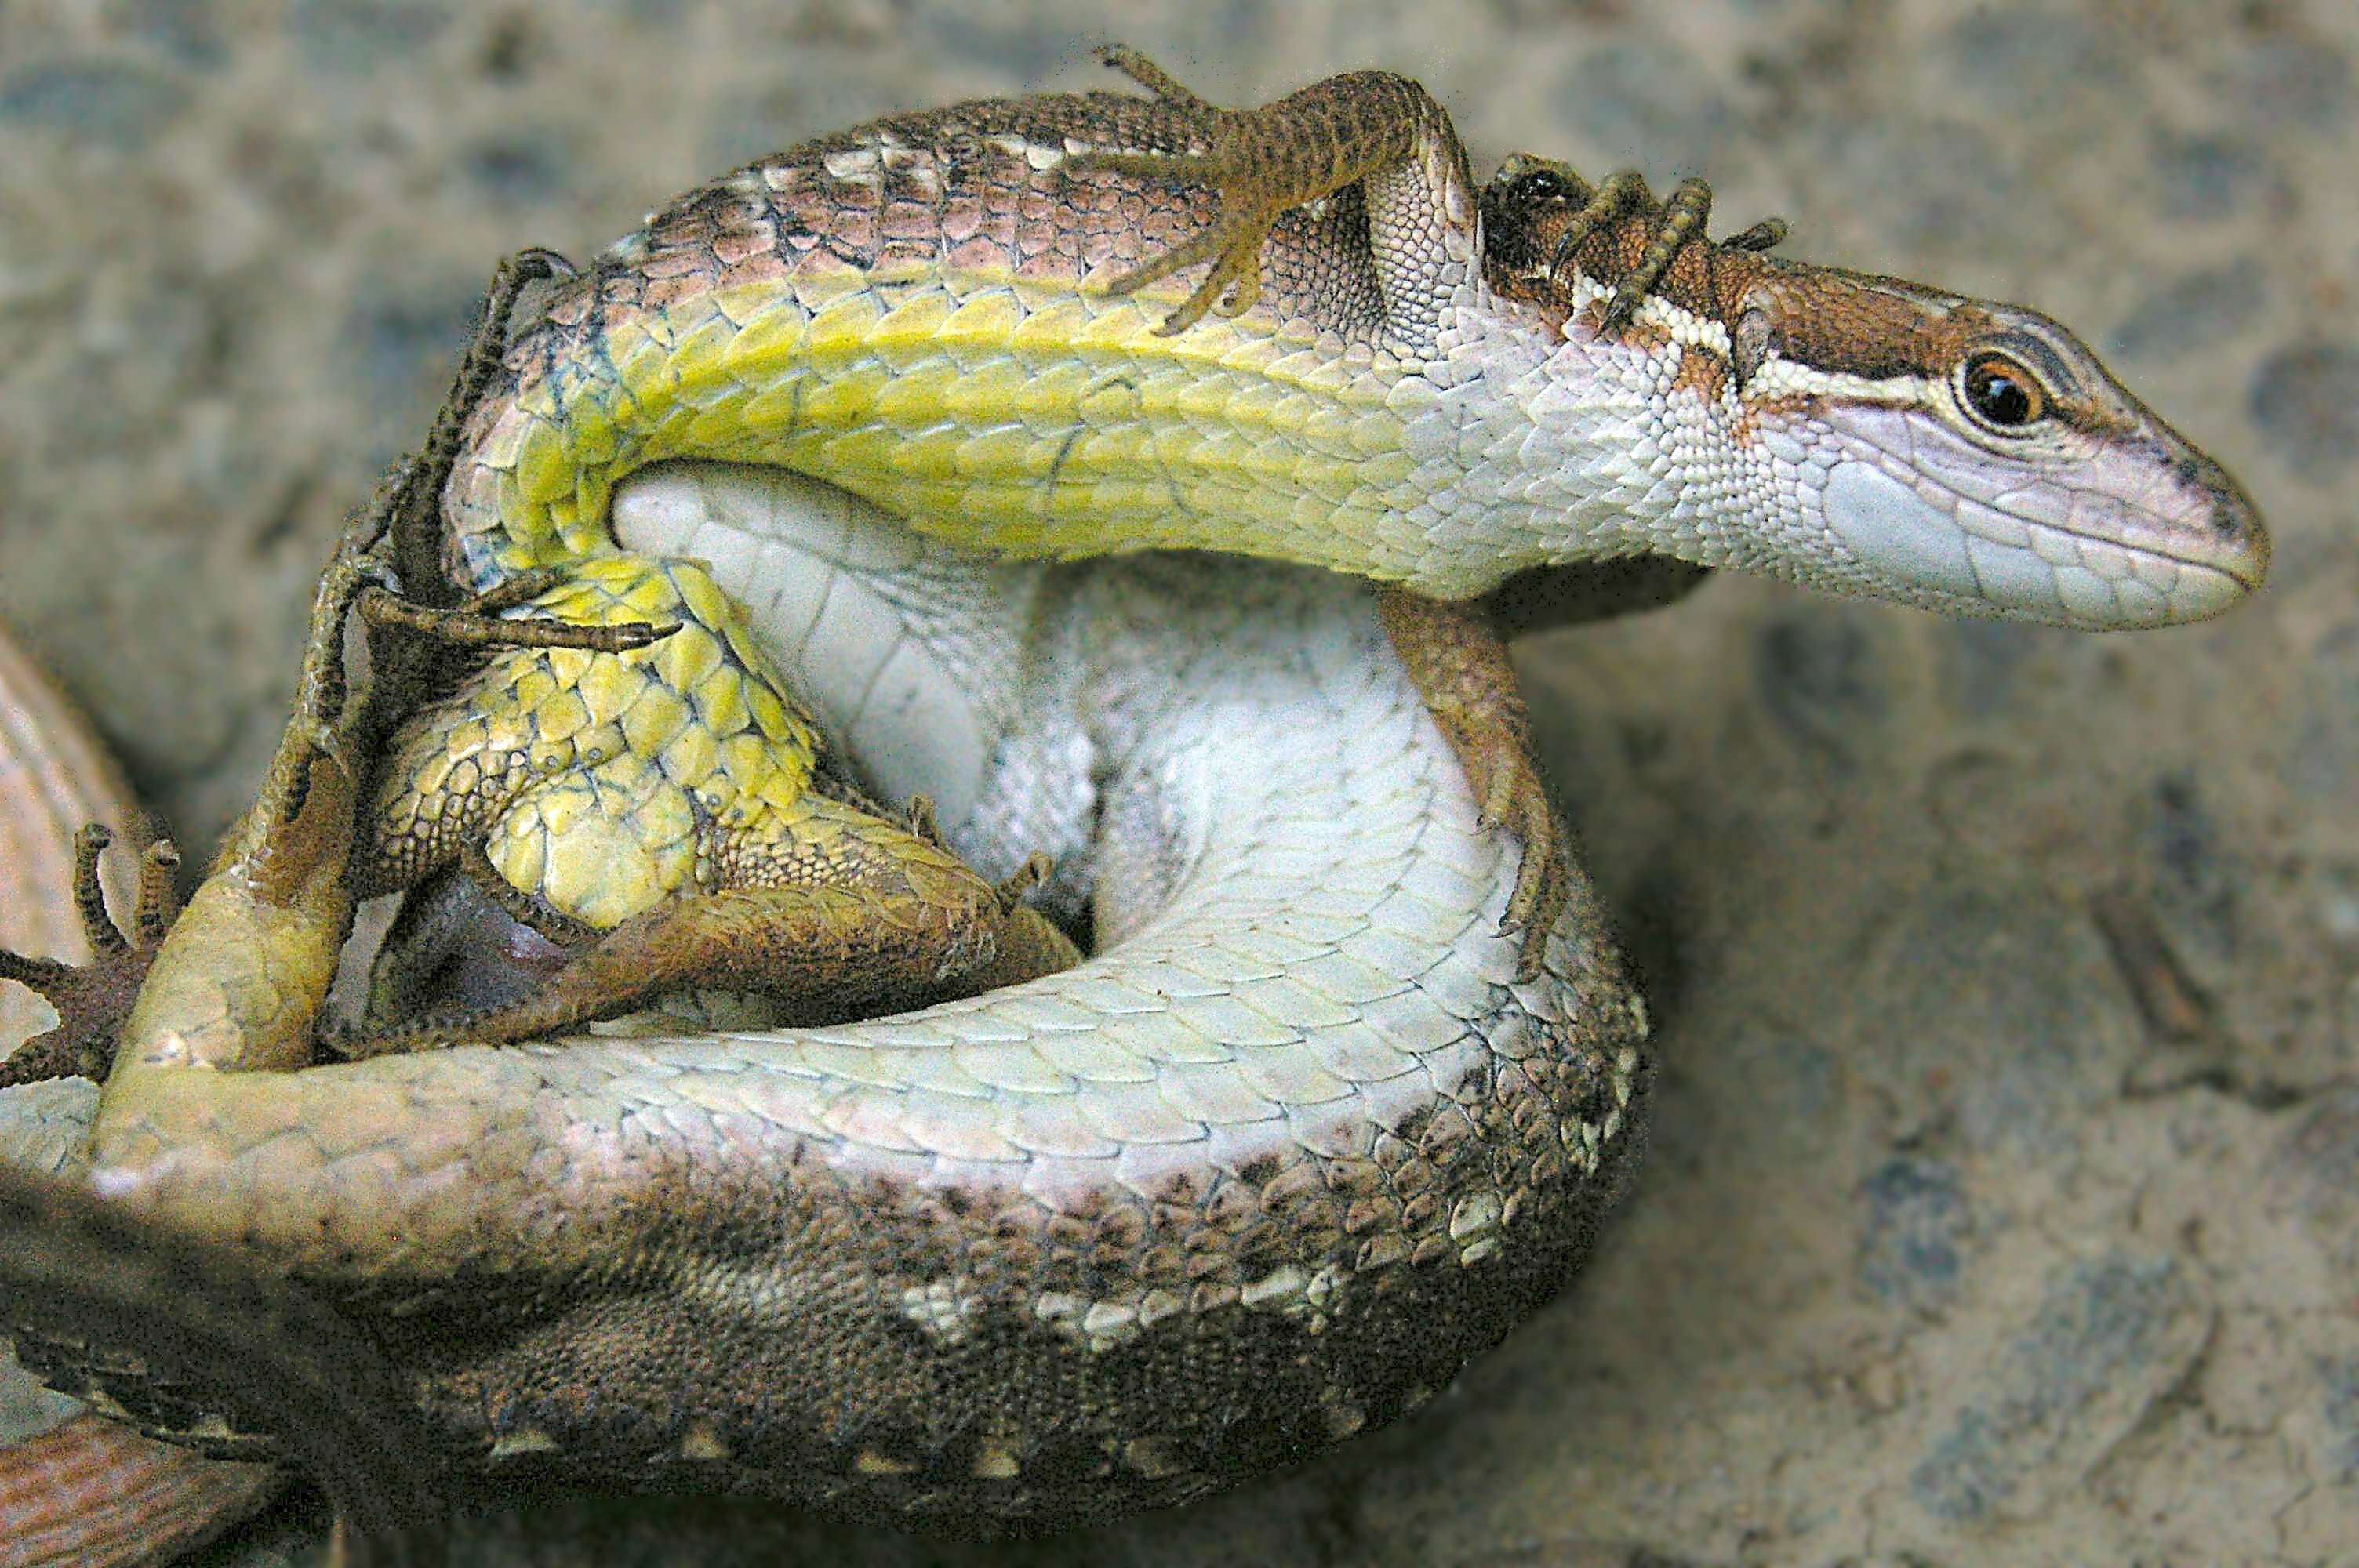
<point x="1203" y="247"/>
<point x="1676" y="221"/>
<point x="1150" y="75"/>
<point x="321" y="735"/>
<point x="477" y="625"/>
<point x="920" y="815"/>
<point x="1033" y="875"/>
<point x="1543" y="887"/>
<point x="1244" y="291"/>
<point x="1766" y="235"/>
<point x="92" y="999"/>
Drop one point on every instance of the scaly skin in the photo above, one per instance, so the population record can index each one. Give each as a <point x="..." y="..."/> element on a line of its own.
<point x="1410" y="403"/>
<point x="90" y="1491"/>
<point x="1262" y="1173"/>
<point x="165" y="1314"/>
<point x="635" y="779"/>
<point x="989" y="319"/>
<point x="663" y="810"/>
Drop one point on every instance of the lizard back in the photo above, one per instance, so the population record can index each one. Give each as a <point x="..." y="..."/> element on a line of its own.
<point x="900" y="310"/>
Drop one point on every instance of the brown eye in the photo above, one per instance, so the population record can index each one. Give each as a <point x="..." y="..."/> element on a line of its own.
<point x="1543" y="185"/>
<point x="2003" y="392"/>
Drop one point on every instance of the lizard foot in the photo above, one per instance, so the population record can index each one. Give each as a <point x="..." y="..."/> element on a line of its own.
<point x="482" y="622"/>
<point x="1266" y="162"/>
<point x="918" y="814"/>
<point x="893" y="921"/>
<point x="92" y="999"/>
<point x="417" y="513"/>
<point x="1461" y="667"/>
<point x="1232" y="244"/>
<point x="1029" y="878"/>
<point x="1537" y="183"/>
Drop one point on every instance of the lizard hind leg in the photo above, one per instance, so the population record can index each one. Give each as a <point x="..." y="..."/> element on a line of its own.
<point x="660" y="815"/>
<point x="1460" y="665"/>
<point x="1457" y="656"/>
<point x="832" y="911"/>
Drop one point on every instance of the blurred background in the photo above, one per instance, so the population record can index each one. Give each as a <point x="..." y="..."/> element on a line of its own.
<point x="2003" y="1200"/>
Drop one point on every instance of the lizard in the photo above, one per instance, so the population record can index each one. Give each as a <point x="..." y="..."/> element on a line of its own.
<point x="126" y="1298"/>
<point x="1075" y="324"/>
<point x="1263" y="1171"/>
<point x="920" y="311"/>
<point x="1569" y="246"/>
<point x="90" y="1490"/>
<point x="125" y="958"/>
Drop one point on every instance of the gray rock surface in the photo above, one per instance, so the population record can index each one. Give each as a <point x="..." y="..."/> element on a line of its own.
<point x="2003" y="1199"/>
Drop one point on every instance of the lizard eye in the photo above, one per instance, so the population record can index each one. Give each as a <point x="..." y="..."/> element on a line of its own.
<point x="1544" y="184"/>
<point x="2000" y="392"/>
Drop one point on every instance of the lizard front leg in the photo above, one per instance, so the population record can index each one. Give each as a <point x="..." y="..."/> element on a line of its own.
<point x="1389" y="134"/>
<point x="92" y="999"/>
<point x="87" y="1491"/>
<point x="1371" y="126"/>
<point x="1457" y="655"/>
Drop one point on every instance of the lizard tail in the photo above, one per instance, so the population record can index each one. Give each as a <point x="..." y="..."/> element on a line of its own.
<point x="79" y="1274"/>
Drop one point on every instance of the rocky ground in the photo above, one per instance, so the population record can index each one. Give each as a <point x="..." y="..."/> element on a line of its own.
<point x="2004" y="1202"/>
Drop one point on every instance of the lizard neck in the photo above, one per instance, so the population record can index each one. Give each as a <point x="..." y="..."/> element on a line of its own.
<point x="1547" y="445"/>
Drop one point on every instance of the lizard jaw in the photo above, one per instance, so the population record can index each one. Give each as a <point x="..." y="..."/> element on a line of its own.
<point x="1979" y="458"/>
<point x="2125" y="535"/>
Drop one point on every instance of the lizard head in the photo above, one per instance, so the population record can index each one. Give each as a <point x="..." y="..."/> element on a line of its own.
<point x="1877" y="436"/>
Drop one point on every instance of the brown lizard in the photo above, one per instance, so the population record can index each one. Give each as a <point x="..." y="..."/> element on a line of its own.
<point x="990" y="320"/>
<point x="1293" y="1141"/>
<point x="1538" y="397"/>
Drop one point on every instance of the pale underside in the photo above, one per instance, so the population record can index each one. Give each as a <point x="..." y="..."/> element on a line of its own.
<point x="1291" y="1140"/>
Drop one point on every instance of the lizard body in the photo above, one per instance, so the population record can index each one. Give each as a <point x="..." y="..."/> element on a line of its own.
<point x="1261" y="1173"/>
<point x="917" y="311"/>
<point x="1421" y="385"/>
<point x="959" y="315"/>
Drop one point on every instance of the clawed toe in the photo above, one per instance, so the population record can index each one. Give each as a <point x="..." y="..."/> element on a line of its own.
<point x="1543" y="879"/>
<point x="1030" y="877"/>
<point x="92" y="999"/>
